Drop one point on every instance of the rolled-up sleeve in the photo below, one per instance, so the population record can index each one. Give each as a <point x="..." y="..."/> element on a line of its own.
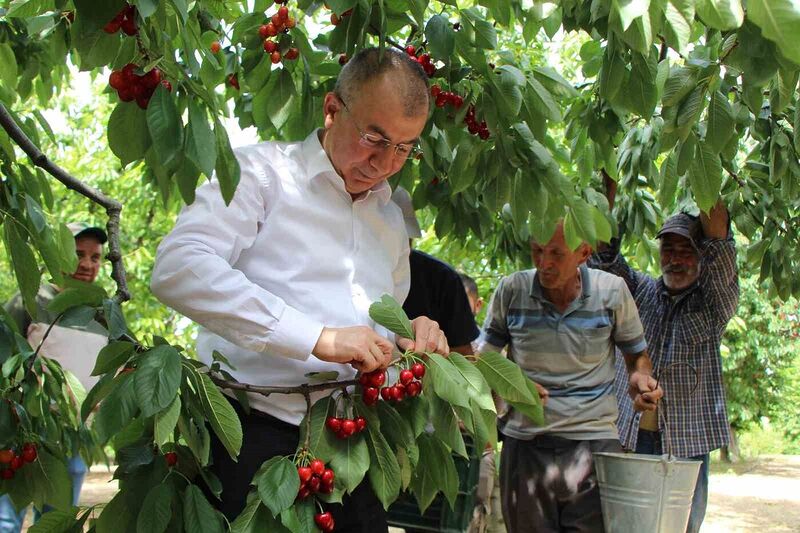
<point x="495" y="335"/>
<point x="193" y="270"/>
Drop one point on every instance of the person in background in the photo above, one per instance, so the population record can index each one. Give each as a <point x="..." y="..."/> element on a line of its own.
<point x="436" y="288"/>
<point x="281" y="279"/>
<point x="74" y="347"/>
<point x="684" y="312"/>
<point x="475" y="300"/>
<point x="561" y="323"/>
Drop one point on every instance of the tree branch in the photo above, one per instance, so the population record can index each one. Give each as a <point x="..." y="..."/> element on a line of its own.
<point x="113" y="208"/>
<point x="304" y="389"/>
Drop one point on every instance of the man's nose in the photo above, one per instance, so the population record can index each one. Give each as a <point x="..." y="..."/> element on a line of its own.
<point x="383" y="160"/>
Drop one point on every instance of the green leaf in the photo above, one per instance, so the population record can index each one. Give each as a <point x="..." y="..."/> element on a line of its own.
<point x="227" y="168"/>
<point x="56" y="521"/>
<point x="721" y="14"/>
<point x="679" y="15"/>
<point x="8" y="67"/>
<point x="111" y="357"/>
<point x="720" y="125"/>
<point x="221" y="415"/>
<point x="538" y="98"/>
<point x="535" y="412"/>
<point x="24" y="262"/>
<point x="77" y="293"/>
<point x="128" y="136"/>
<point x="198" y="515"/>
<point x="579" y="225"/>
<point x="395" y="428"/>
<point x="630" y="10"/>
<point x="445" y="425"/>
<point x="448" y="384"/>
<point x="779" y="21"/>
<point x="477" y="387"/>
<point x="705" y="177"/>
<point x="681" y="81"/>
<point x="350" y="460"/>
<point x="320" y="439"/>
<point x="96" y="14"/>
<point x="52" y="481"/>
<point x="389" y="314"/>
<point x="282" y="93"/>
<point x="164" y="125"/>
<point x="200" y="148"/>
<point x="505" y="378"/>
<point x="157" y="378"/>
<point x="115" y="320"/>
<point x="117" y="512"/>
<point x="156" y="510"/>
<point x="278" y="484"/>
<point x="28" y="8"/>
<point x="436" y="471"/>
<point x="384" y="472"/>
<point x="441" y="37"/>
<point x="165" y="422"/>
<point x="641" y="89"/>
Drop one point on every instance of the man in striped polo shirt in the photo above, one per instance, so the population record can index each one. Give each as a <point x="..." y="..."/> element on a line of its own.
<point x="561" y="323"/>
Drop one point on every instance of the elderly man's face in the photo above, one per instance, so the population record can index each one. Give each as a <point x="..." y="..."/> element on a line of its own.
<point x="377" y="110"/>
<point x="90" y="254"/>
<point x="680" y="265"/>
<point x="556" y="264"/>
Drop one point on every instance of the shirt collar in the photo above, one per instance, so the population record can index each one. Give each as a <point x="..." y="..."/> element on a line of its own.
<point x="586" y="287"/>
<point x="318" y="164"/>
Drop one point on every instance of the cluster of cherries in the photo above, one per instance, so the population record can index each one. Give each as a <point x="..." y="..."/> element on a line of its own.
<point x="473" y="126"/>
<point x="423" y="59"/>
<point x="125" y="20"/>
<point x="132" y="86"/>
<point x="13" y="461"/>
<point x="446" y="97"/>
<point x="314" y="478"/>
<point x="281" y="22"/>
<point x="346" y="427"/>
<point x="408" y="385"/>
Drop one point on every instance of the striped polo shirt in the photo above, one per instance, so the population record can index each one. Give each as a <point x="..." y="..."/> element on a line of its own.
<point x="571" y="354"/>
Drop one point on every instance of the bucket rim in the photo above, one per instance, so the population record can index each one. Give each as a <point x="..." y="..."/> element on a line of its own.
<point x="646" y="457"/>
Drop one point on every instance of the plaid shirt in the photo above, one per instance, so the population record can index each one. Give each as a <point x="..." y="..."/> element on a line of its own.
<point x="684" y="328"/>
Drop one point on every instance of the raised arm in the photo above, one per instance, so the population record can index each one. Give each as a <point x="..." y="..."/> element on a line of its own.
<point x="715" y="223"/>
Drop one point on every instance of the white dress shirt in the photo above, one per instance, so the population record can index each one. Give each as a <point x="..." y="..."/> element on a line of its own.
<point x="292" y="253"/>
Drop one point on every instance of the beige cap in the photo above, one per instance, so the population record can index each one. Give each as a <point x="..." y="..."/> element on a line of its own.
<point x="401" y="197"/>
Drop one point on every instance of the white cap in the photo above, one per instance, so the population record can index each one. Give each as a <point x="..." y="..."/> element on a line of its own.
<point x="401" y="197"/>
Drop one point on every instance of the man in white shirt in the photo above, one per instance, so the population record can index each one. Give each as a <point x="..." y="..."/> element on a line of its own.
<point x="282" y="279"/>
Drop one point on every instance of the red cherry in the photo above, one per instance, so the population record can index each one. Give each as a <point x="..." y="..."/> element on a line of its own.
<point x="425" y="58"/>
<point x="291" y="23"/>
<point x="418" y="369"/>
<point x="233" y="80"/>
<point x="406" y="376"/>
<point x="333" y="423"/>
<point x="413" y="389"/>
<point x="349" y="427"/>
<point x="324" y="521"/>
<point x="457" y="101"/>
<point x="129" y="26"/>
<point x="399" y="392"/>
<point x="7" y="474"/>
<point x="348" y="12"/>
<point x="378" y="378"/>
<point x="70" y="16"/>
<point x="275" y="57"/>
<point x="303" y="493"/>
<point x="167" y="85"/>
<point x="410" y="50"/>
<point x="317" y="467"/>
<point x="270" y="46"/>
<point x="335" y="20"/>
<point x="215" y="47"/>
<point x="126" y="94"/>
<point x="361" y="423"/>
<point x="370" y="396"/>
<point x="112" y="27"/>
<point x="435" y="90"/>
<point x="304" y="473"/>
<point x="151" y="79"/>
<point x="143" y="101"/>
<point x="292" y="54"/>
<point x="326" y="488"/>
<point x="17" y="462"/>
<point x="364" y="380"/>
<point x="343" y="59"/>
<point x="483" y="134"/>
<point x="283" y="13"/>
<point x="387" y="393"/>
<point x="6" y="456"/>
<point x="271" y="30"/>
<point x="262" y="31"/>
<point x="441" y="100"/>
<point x="172" y="458"/>
<point x="313" y="484"/>
<point x="328" y="476"/>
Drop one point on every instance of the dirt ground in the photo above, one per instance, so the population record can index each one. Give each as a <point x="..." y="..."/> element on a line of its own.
<point x="757" y="495"/>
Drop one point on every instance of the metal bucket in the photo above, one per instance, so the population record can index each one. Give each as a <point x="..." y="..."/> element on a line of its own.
<point x="645" y="493"/>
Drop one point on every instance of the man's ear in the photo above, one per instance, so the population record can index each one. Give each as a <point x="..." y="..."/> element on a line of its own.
<point x="330" y="107"/>
<point x="584" y="251"/>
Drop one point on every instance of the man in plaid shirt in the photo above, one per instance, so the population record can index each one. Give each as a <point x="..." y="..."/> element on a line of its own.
<point x="684" y="314"/>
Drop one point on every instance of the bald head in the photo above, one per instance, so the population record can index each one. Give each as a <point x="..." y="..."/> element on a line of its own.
<point x="408" y="79"/>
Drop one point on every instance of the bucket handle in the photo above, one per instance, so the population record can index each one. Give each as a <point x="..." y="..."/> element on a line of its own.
<point x="666" y="442"/>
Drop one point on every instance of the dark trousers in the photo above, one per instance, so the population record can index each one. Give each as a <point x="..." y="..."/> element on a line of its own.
<point x="548" y="484"/>
<point x="649" y="442"/>
<point x="266" y="437"/>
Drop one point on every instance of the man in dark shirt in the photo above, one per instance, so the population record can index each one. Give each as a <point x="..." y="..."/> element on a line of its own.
<point x="436" y="288"/>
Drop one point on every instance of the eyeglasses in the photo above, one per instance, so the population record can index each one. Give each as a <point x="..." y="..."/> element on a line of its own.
<point x="379" y="142"/>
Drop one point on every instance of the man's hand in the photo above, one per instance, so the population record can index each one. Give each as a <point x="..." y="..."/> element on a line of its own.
<point x="358" y="346"/>
<point x="644" y="391"/>
<point x="544" y="394"/>
<point x="427" y="337"/>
